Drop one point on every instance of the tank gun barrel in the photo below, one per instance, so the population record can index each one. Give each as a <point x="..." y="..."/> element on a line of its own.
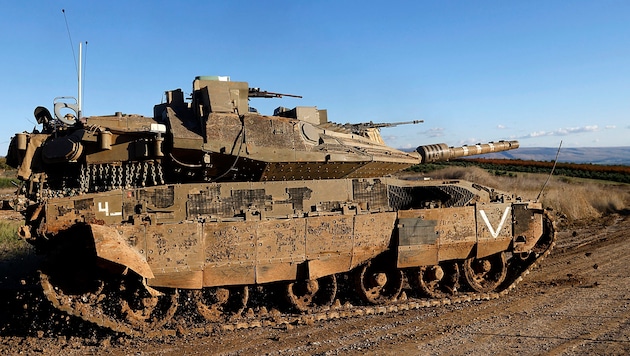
<point x="441" y="151"/>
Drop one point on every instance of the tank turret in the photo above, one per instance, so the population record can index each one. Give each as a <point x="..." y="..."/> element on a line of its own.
<point x="214" y="136"/>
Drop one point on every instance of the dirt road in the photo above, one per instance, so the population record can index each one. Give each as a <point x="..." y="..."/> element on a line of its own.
<point x="576" y="302"/>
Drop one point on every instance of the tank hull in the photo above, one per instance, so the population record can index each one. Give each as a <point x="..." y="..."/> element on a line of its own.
<point x="193" y="236"/>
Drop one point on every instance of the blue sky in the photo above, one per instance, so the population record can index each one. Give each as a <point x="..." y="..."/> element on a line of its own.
<point x="474" y="71"/>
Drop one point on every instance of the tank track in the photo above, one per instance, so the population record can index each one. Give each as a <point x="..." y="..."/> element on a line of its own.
<point x="86" y="310"/>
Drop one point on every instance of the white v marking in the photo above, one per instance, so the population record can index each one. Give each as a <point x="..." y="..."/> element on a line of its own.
<point x="492" y="231"/>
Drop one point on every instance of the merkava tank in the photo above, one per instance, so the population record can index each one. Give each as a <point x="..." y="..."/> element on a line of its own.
<point x="144" y="219"/>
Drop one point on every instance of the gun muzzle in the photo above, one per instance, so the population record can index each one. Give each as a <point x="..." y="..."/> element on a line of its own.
<point x="441" y="151"/>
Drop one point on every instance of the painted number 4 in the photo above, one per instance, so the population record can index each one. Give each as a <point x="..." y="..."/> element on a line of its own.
<point x="104" y="208"/>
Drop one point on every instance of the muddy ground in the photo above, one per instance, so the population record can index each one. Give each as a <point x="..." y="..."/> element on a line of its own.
<point x="577" y="302"/>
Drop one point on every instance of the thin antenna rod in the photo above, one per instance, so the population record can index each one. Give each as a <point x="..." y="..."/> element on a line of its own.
<point x="550" y="173"/>
<point x="74" y="57"/>
<point x="79" y="101"/>
<point x="83" y="75"/>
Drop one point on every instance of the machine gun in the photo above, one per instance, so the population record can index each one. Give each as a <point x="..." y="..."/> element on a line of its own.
<point x="363" y="127"/>
<point x="257" y="93"/>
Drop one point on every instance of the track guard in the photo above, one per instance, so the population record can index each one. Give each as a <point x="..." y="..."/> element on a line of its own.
<point x="112" y="247"/>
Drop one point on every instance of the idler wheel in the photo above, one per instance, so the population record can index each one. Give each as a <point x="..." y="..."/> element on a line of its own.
<point x="145" y="308"/>
<point x="214" y="302"/>
<point x="485" y="274"/>
<point x="436" y="281"/>
<point x="306" y="295"/>
<point x="378" y="283"/>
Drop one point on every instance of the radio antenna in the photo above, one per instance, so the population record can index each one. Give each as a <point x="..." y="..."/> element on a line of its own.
<point x="80" y="90"/>
<point x="550" y="173"/>
<point x="74" y="57"/>
<point x="78" y="67"/>
<point x="83" y="78"/>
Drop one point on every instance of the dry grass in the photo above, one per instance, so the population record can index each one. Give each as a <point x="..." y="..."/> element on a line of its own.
<point x="577" y="199"/>
<point x="8" y="231"/>
<point x="12" y="247"/>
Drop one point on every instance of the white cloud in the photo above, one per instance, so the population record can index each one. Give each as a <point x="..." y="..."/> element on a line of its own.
<point x="501" y="127"/>
<point x="537" y="134"/>
<point x="610" y="127"/>
<point x="469" y="141"/>
<point x="563" y="131"/>
<point x="433" y="132"/>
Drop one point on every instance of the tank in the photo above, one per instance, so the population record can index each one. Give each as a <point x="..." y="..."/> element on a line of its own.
<point x="151" y="223"/>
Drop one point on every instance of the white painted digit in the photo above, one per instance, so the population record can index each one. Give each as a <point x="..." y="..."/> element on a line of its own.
<point x="105" y="209"/>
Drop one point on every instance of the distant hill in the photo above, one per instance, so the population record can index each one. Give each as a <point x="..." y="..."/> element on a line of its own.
<point x="595" y="155"/>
